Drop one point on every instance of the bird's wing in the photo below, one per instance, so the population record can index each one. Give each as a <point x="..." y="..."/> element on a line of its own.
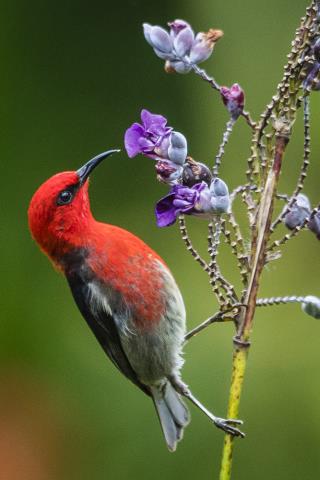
<point x="103" y="326"/>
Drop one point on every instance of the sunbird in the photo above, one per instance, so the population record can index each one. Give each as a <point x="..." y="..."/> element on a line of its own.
<point x="125" y="292"/>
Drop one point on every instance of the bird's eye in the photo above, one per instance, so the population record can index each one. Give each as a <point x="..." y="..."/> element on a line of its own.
<point x="64" y="197"/>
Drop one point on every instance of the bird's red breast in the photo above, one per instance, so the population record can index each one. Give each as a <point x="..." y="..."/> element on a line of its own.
<point x="124" y="262"/>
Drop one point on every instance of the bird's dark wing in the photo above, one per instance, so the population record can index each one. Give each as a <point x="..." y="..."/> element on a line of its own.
<point x="103" y="326"/>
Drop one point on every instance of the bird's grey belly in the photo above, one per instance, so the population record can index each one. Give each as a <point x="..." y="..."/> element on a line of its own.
<point x="155" y="355"/>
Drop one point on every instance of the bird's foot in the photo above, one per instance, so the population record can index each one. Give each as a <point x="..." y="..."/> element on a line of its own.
<point x="227" y="425"/>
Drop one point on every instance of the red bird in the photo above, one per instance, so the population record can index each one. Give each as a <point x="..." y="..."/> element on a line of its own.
<point x="125" y="292"/>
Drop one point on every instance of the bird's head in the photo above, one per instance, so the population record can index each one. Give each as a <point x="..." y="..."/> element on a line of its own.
<point x="59" y="212"/>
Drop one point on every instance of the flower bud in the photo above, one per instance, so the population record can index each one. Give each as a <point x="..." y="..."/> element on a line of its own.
<point x="220" y="199"/>
<point x="314" y="225"/>
<point x="233" y="98"/>
<point x="158" y="38"/>
<point x="168" y="172"/>
<point x="176" y="26"/>
<point x="184" y="41"/>
<point x="178" y="148"/>
<point x="195" y="172"/>
<point x="311" y="306"/>
<point x="299" y="211"/>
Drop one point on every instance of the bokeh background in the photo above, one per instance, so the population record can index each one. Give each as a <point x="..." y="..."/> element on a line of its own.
<point x="74" y="76"/>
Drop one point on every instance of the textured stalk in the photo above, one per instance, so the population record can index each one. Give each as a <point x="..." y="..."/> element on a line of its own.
<point x="283" y="109"/>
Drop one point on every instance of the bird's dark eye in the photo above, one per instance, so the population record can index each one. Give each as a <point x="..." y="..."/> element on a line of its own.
<point x="64" y="197"/>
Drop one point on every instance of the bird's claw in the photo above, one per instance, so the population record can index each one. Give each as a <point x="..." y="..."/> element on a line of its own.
<point x="227" y="425"/>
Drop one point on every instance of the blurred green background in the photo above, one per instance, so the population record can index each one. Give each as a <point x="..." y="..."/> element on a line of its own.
<point x="74" y="76"/>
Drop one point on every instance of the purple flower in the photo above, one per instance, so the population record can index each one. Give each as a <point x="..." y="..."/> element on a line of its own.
<point x="233" y="98"/>
<point x="151" y="138"/>
<point x="191" y="201"/>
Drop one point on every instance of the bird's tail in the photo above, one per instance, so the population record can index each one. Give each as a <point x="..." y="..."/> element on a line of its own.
<point x="172" y="412"/>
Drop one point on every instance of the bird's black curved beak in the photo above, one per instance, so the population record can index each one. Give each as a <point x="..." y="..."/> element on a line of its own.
<point x="87" y="168"/>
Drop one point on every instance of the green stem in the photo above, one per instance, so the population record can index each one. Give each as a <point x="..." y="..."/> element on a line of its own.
<point x="239" y="364"/>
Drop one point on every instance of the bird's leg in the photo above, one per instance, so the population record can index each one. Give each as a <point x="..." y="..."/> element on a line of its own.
<point x="225" y="424"/>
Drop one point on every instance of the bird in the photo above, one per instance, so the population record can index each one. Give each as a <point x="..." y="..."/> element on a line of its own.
<point x="125" y="292"/>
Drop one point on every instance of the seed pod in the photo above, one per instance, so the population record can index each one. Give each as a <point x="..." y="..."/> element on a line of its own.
<point x="195" y="172"/>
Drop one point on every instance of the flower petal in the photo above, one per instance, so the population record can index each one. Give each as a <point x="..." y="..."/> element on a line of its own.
<point x="183" y="41"/>
<point x="165" y="211"/>
<point x="160" y="39"/>
<point x="132" y="139"/>
<point x="154" y="123"/>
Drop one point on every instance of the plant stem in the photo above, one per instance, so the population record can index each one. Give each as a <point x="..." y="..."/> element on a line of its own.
<point x="241" y="340"/>
<point x="283" y="107"/>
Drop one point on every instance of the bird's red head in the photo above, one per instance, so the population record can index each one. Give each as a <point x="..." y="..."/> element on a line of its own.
<point x="59" y="212"/>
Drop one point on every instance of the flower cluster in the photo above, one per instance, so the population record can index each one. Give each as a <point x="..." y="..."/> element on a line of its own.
<point x="193" y="191"/>
<point x="181" y="48"/>
<point x="200" y="200"/>
<point x="154" y="139"/>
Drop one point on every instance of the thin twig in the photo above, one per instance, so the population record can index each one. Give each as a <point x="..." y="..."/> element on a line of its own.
<point x="216" y="278"/>
<point x="225" y="139"/>
<point x="188" y="243"/>
<point x="268" y="302"/>
<point x="203" y="74"/>
<point x="218" y="317"/>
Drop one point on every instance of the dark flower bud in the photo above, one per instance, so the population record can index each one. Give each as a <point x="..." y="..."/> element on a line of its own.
<point x="233" y="98"/>
<point x="311" y="306"/>
<point x="168" y="172"/>
<point x="299" y="211"/>
<point x="195" y="172"/>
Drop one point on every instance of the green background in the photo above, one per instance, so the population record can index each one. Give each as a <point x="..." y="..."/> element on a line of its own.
<point x="74" y="76"/>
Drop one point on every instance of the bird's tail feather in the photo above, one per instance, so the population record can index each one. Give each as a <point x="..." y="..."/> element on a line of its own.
<point x="172" y="412"/>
